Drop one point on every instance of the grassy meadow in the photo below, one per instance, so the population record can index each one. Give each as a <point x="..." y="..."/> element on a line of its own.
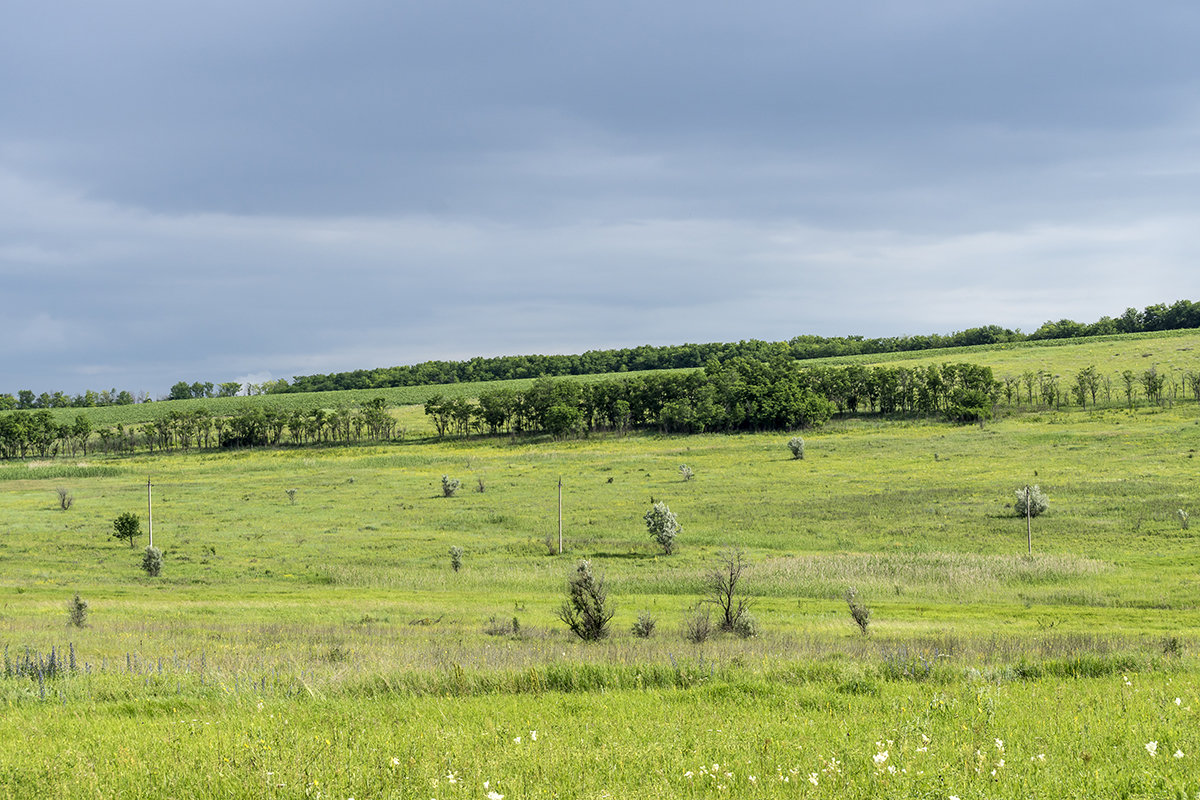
<point x="321" y="645"/>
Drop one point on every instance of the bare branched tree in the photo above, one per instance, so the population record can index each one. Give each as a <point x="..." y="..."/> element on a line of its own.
<point x="725" y="589"/>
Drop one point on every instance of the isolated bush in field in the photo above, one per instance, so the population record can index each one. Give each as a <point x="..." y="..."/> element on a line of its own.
<point x="586" y="610"/>
<point x="698" y="628"/>
<point x="860" y="613"/>
<point x="644" y="627"/>
<point x="450" y="485"/>
<point x="663" y="526"/>
<point x="65" y="500"/>
<point x="291" y="493"/>
<point x="152" y="561"/>
<point x="686" y="472"/>
<point x="456" y="554"/>
<point x="480" y="487"/>
<point x="127" y="526"/>
<point x="725" y="589"/>
<point x="746" y="626"/>
<point x="1183" y="519"/>
<point x="796" y="445"/>
<point x="1037" y="501"/>
<point x="77" y="611"/>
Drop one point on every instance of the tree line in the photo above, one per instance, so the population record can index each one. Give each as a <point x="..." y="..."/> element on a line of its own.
<point x="35" y="433"/>
<point x="738" y="395"/>
<point x="1182" y="314"/>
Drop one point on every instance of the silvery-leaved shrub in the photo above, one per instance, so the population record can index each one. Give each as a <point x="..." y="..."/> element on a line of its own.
<point x="1037" y="502"/>
<point x="450" y="485"/>
<point x="796" y="445"/>
<point x="152" y="561"/>
<point x="644" y="627"/>
<point x="686" y="472"/>
<point x="663" y="526"/>
<point x="456" y="554"/>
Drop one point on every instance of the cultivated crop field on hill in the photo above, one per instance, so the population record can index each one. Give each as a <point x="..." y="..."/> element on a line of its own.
<point x="320" y="644"/>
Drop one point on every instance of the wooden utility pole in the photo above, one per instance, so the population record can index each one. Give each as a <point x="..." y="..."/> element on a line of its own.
<point x="1028" y="522"/>
<point x="149" y="512"/>
<point x="560" y="515"/>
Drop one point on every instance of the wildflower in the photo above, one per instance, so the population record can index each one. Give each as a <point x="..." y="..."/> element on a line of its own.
<point x="1179" y="754"/>
<point x="395" y="761"/>
<point x="450" y="778"/>
<point x="1152" y="748"/>
<point x="812" y="778"/>
<point x="533" y="736"/>
<point x="1178" y="701"/>
<point x="495" y="796"/>
<point x="688" y="774"/>
<point x="517" y="740"/>
<point x="755" y="780"/>
<point x="1000" y="745"/>
<point x="880" y="758"/>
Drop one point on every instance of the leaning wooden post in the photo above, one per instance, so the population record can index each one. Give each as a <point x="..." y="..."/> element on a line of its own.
<point x="1028" y="522"/>
<point x="560" y="515"/>
<point x="149" y="513"/>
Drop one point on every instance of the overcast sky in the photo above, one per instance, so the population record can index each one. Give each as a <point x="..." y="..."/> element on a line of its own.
<point x="246" y="190"/>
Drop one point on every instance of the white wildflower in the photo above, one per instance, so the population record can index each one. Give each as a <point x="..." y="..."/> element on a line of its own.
<point x="880" y="758"/>
<point x="812" y="778"/>
<point x="1179" y="754"/>
<point x="1152" y="748"/>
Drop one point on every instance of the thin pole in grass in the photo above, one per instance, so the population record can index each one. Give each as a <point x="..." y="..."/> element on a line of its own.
<point x="560" y="515"/>
<point x="149" y="512"/>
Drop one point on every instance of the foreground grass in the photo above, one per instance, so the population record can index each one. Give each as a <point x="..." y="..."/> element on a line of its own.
<point x="741" y="736"/>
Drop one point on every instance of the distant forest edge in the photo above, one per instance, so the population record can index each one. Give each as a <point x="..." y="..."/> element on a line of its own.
<point x="1179" y="315"/>
<point x="738" y="395"/>
<point x="1183" y="314"/>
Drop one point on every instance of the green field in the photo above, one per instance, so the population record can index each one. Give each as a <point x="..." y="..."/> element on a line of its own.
<point x="326" y="648"/>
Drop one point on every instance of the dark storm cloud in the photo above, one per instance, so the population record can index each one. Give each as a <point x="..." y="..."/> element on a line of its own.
<point x="209" y="191"/>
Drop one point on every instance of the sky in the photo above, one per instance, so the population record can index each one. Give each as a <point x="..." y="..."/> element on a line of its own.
<point x="244" y="191"/>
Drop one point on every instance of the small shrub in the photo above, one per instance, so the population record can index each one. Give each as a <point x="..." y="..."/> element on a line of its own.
<point x="480" y="486"/>
<point x="291" y="493"/>
<point x="663" y="526"/>
<point x="152" y="561"/>
<point x="586" y="611"/>
<point x="1183" y="519"/>
<point x="1037" y="501"/>
<point x="456" y="554"/>
<point x="686" y="472"/>
<point x="699" y="628"/>
<point x="644" y="627"/>
<point x="746" y="626"/>
<point x="450" y="485"/>
<point x="77" y="611"/>
<point x="796" y="445"/>
<point x="66" y="500"/>
<point x="860" y="613"/>
<point x="127" y="526"/>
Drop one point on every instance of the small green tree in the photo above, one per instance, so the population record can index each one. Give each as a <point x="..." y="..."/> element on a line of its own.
<point x="860" y="613"/>
<point x="127" y="526"/>
<point x="663" y="526"/>
<point x="77" y="611"/>
<point x="586" y="611"/>
<point x="456" y="554"/>
<point x="796" y="445"/>
<point x="450" y="485"/>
